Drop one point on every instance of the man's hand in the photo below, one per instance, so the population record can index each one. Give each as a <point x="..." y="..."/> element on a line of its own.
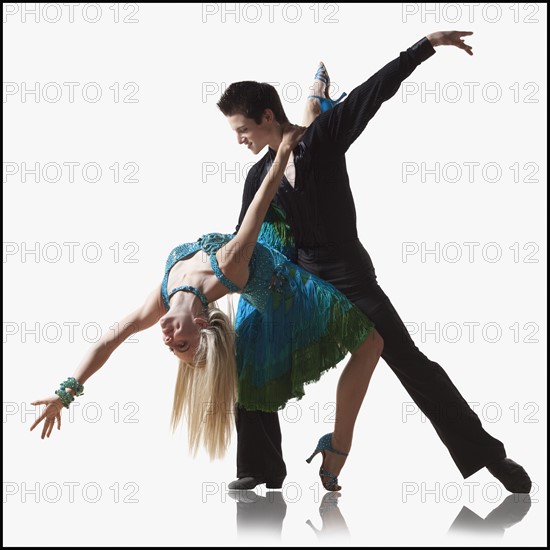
<point x="450" y="38"/>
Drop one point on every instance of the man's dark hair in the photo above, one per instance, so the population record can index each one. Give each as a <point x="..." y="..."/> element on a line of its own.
<point x="251" y="99"/>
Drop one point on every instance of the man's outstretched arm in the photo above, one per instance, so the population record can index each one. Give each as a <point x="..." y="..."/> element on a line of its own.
<point x="343" y="124"/>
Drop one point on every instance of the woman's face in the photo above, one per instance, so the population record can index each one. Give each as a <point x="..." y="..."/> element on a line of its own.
<point x="181" y="333"/>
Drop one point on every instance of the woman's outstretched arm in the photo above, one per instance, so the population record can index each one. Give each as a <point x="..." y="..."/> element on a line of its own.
<point x="140" y="319"/>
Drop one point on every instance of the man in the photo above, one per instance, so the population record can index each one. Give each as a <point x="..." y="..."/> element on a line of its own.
<point x="318" y="203"/>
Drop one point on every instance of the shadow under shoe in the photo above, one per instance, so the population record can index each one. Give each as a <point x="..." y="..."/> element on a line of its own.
<point x="259" y="515"/>
<point x="511" y="511"/>
<point x="333" y="521"/>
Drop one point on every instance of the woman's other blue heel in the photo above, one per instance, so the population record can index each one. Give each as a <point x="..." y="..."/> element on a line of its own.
<point x="325" y="444"/>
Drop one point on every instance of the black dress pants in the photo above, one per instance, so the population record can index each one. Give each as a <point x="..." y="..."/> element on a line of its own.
<point x="259" y="452"/>
<point x="349" y="268"/>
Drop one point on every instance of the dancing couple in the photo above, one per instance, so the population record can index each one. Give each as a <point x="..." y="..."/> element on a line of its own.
<point x="309" y="296"/>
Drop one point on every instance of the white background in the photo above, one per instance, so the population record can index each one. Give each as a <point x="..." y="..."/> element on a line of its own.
<point x="400" y="486"/>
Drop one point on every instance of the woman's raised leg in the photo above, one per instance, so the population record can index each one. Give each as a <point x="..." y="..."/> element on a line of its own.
<point x="319" y="87"/>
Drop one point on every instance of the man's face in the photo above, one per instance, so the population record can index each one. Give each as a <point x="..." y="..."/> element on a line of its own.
<point x="252" y="135"/>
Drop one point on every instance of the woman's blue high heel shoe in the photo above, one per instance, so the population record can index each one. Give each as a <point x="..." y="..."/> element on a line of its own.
<point x="325" y="102"/>
<point x="325" y="444"/>
<point x="322" y="74"/>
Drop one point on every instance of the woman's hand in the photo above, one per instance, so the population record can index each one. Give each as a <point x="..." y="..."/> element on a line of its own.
<point x="292" y="135"/>
<point x="450" y="38"/>
<point x="51" y="413"/>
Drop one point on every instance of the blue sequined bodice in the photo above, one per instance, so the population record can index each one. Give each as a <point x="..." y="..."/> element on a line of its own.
<point x="266" y="268"/>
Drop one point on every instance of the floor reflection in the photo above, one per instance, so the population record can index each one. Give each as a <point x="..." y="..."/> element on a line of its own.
<point x="259" y="513"/>
<point x="511" y="511"/>
<point x="333" y="522"/>
<point x="265" y="514"/>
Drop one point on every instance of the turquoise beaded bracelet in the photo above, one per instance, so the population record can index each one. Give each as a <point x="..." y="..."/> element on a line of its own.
<point x="65" y="396"/>
<point x="74" y="385"/>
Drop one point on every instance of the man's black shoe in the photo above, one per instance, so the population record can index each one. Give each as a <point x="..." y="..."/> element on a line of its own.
<point x="511" y="475"/>
<point x="246" y="483"/>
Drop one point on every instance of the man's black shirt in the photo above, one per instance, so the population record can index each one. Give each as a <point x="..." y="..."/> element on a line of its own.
<point x="320" y="208"/>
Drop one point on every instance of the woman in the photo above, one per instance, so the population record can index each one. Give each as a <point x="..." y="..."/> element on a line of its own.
<point x="299" y="327"/>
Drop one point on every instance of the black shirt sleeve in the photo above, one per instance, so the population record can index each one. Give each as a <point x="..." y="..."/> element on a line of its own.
<point x="250" y="187"/>
<point x="343" y="124"/>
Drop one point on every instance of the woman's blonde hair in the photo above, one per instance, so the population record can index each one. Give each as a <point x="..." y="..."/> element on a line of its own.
<point x="206" y="390"/>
